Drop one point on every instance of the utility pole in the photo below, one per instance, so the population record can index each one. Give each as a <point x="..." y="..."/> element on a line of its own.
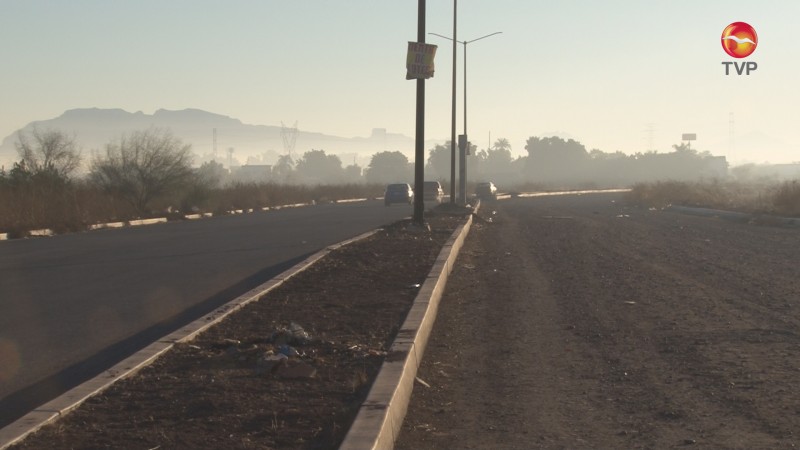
<point x="453" y="117"/>
<point x="419" y="154"/>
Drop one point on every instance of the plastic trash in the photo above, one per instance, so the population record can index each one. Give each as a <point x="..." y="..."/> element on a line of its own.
<point x="294" y="335"/>
<point x="299" y="335"/>
<point x="287" y="351"/>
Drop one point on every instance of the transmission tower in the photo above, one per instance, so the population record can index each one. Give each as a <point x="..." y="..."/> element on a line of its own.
<point x="731" y="134"/>
<point x="215" y="145"/>
<point x="230" y="158"/>
<point x="289" y="136"/>
<point x="650" y="130"/>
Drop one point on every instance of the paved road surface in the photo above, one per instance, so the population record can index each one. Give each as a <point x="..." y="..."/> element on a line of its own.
<point x="572" y="322"/>
<point x="74" y="304"/>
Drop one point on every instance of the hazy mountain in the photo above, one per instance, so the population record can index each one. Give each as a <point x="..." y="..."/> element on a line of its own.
<point x="94" y="128"/>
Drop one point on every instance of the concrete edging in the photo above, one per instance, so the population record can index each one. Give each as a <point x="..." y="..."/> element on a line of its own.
<point x="380" y="417"/>
<point x="133" y="223"/>
<point x="65" y="403"/>
<point x="590" y="191"/>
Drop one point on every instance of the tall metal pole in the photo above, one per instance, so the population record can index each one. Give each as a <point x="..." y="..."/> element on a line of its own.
<point x="453" y="118"/>
<point x="419" y="154"/>
<point x="462" y="150"/>
<point x="462" y="157"/>
<point x="465" y="88"/>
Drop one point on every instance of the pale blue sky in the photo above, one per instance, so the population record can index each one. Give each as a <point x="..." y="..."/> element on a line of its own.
<point x="600" y="72"/>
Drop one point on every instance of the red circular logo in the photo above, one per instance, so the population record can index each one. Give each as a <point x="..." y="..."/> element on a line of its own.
<point x="739" y="39"/>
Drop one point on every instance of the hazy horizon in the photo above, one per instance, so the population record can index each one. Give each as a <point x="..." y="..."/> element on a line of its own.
<point x="617" y="76"/>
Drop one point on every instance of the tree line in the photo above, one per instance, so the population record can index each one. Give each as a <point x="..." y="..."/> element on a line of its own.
<point x="152" y="170"/>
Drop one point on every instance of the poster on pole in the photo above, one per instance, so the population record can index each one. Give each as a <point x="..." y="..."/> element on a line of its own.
<point x="419" y="62"/>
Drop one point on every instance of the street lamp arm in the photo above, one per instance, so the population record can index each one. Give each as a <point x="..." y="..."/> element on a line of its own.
<point x="482" y="37"/>
<point x="448" y="38"/>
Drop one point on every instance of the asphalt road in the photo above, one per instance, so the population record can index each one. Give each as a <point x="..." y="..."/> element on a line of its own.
<point x="73" y="305"/>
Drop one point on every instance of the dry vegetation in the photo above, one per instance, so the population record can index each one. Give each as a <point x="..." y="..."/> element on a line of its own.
<point x="782" y="199"/>
<point x="145" y="174"/>
<point x="74" y="205"/>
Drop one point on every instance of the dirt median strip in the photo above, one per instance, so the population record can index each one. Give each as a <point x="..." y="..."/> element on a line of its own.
<point x="224" y="389"/>
<point x="60" y="406"/>
<point x="379" y="419"/>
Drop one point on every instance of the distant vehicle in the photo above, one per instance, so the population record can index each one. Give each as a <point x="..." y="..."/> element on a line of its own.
<point x="433" y="192"/>
<point x="398" y="193"/>
<point x="486" y="191"/>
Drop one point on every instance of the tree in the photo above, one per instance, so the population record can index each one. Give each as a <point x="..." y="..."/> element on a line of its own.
<point x="143" y="166"/>
<point x="316" y="166"/>
<point x="552" y="159"/>
<point x="556" y="151"/>
<point x="497" y="161"/>
<point x="210" y="174"/>
<point x="388" y="167"/>
<point x="48" y="153"/>
<point x="200" y="185"/>
<point x="439" y="160"/>
<point x="284" y="168"/>
<point x="353" y="173"/>
<point x="502" y="144"/>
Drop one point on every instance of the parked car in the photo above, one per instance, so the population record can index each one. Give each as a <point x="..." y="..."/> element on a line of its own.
<point x="432" y="192"/>
<point x="486" y="191"/>
<point x="398" y="193"/>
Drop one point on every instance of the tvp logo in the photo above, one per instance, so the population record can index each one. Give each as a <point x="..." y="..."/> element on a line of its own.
<point x="739" y="40"/>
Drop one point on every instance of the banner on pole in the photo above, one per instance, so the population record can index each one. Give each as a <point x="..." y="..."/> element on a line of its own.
<point x="419" y="62"/>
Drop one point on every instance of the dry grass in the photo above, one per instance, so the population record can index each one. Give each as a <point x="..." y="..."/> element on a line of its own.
<point x="786" y="198"/>
<point x="781" y="199"/>
<point x="74" y="206"/>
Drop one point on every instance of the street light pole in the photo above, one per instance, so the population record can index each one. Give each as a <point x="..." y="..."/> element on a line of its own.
<point x="453" y="117"/>
<point x="464" y="149"/>
<point x="465" y="72"/>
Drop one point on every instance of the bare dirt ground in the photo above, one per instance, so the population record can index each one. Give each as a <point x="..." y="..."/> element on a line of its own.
<point x="234" y="387"/>
<point x="569" y="322"/>
<point x="575" y="322"/>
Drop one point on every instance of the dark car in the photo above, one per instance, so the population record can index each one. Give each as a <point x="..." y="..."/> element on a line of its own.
<point x="398" y="193"/>
<point x="486" y="191"/>
<point x="432" y="191"/>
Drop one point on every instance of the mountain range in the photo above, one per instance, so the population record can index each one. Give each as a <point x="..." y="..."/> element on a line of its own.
<point x="93" y="128"/>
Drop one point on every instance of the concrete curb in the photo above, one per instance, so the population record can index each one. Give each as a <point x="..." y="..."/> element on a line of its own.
<point x="351" y="200"/>
<point x="60" y="406"/>
<point x="44" y="232"/>
<point x="380" y="417"/>
<point x="198" y="216"/>
<point x="591" y="191"/>
<point x="100" y="226"/>
<point x="137" y="223"/>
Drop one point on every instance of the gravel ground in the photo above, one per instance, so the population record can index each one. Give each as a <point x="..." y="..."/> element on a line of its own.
<point x="577" y="322"/>
<point x="569" y="322"/>
<point x="231" y="387"/>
